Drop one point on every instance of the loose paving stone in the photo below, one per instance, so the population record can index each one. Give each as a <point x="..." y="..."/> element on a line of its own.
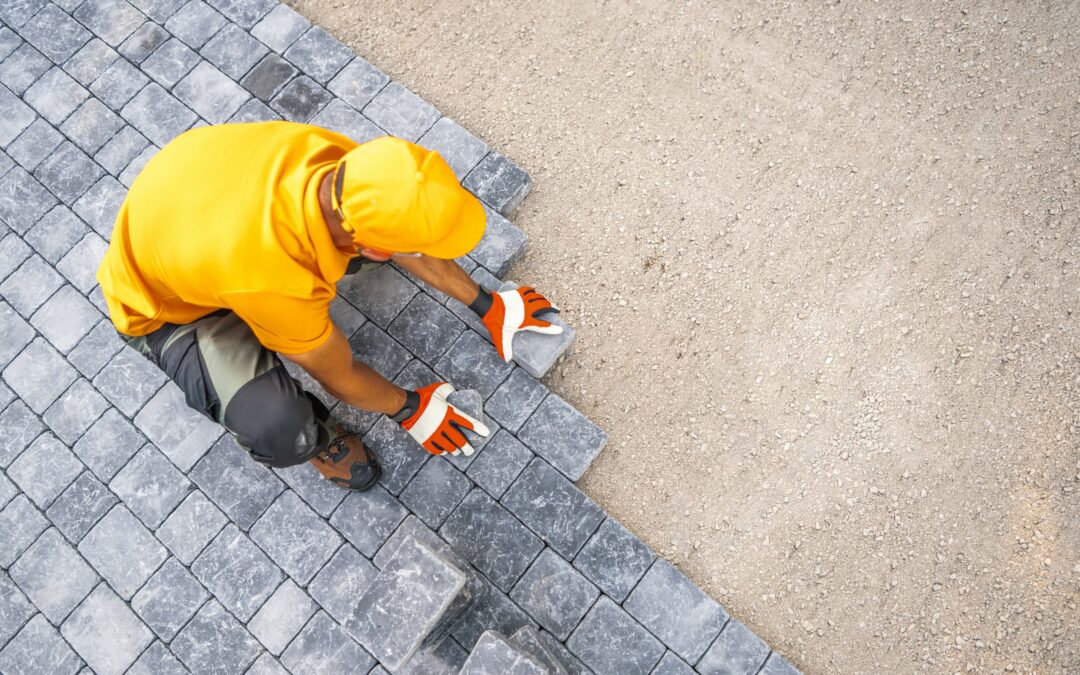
<point x="300" y="99"/>
<point x="498" y="182"/>
<point x="150" y="486"/>
<point x="54" y="33"/>
<point x="95" y="349"/>
<point x="338" y="116"/>
<point x="491" y="539"/>
<point x="380" y="293"/>
<point x="266" y="665"/>
<point x="444" y="658"/>
<point x="528" y="640"/>
<point x="674" y="609"/>
<point x="211" y="93"/>
<point x="45" y="469"/>
<point x="80" y="506"/>
<point x="39" y="374"/>
<point x="55" y="95"/>
<point x="737" y="651"/>
<point x="15" y="609"/>
<point x="73" y="413"/>
<point x="435" y="491"/>
<point x="118" y="152"/>
<point x="118" y="83"/>
<point x="255" y="111"/>
<point x="128" y="176"/>
<point x="158" y="115"/>
<point x="111" y="20"/>
<point x="516" y="399"/>
<point x="777" y="665"/>
<point x="169" y="599"/>
<point x="268" y="77"/>
<point x="323" y="647"/>
<point x="192" y="526"/>
<point x="282" y="617"/>
<point x="237" y="572"/>
<point x="53" y="576"/>
<point x="19" y="70"/>
<point x="472" y="363"/>
<point x="239" y="485"/>
<point x="563" y="436"/>
<point x="399" y="455"/>
<point x="368" y="518"/>
<point x="170" y="62"/>
<point x="159" y="10"/>
<point x="57" y="231"/>
<point x="13" y="251"/>
<point x="672" y="665"/>
<point x="401" y="112"/>
<point x="319" y="493"/>
<point x="34" y="144"/>
<point x="180" y="432"/>
<point x="92" y="125"/>
<point x="461" y="150"/>
<point x="553" y="507"/>
<point x="319" y="54"/>
<point x="493" y="653"/>
<point x="614" y="559"/>
<point x="129" y="380"/>
<point x="374" y="347"/>
<point x="21" y="524"/>
<point x="65" y="318"/>
<point x="142" y="43"/>
<point x="608" y="640"/>
<point x="358" y="83"/>
<point x="501" y="246"/>
<point x="108" y="445"/>
<point x="554" y="593"/>
<point x="214" y="642"/>
<point x="244" y="12"/>
<point x="281" y="27"/>
<point x="122" y="551"/>
<point x="195" y="23"/>
<point x="23" y="200"/>
<point x="339" y="586"/>
<point x="233" y="51"/>
<point x="21" y="426"/>
<point x="90" y="61"/>
<point x="68" y="172"/>
<point x="295" y="537"/>
<point x="426" y="328"/>
<point x="157" y="660"/>
<point x="39" y="646"/>
<point x="80" y="264"/>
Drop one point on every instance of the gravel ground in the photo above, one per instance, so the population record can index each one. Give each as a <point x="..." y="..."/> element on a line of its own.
<point x="822" y="260"/>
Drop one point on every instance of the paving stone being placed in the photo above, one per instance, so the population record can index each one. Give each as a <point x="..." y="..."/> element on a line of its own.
<point x="122" y="551"/>
<point x="563" y="436"/>
<point x="73" y="413"/>
<point x="53" y="576"/>
<point x="45" y="469"/>
<point x="323" y="647"/>
<point x="472" y="363"/>
<point x="614" y="559"/>
<point x="503" y="459"/>
<point x="157" y="114"/>
<point x="401" y="112"/>
<point x="435" y="491"/>
<point x="233" y="51"/>
<point x="23" y="200"/>
<point x="672" y="665"/>
<point x="210" y="93"/>
<point x="493" y="653"/>
<point x="553" y="507"/>
<point x="237" y="572"/>
<point x="129" y="381"/>
<point x="177" y="430"/>
<point x="108" y="444"/>
<point x="157" y="660"/>
<point x="737" y="651"/>
<point x="528" y="640"/>
<point x="142" y="43"/>
<point x="214" y="642"/>
<point x="499" y="182"/>
<point x="461" y="150"/>
<point x="80" y="506"/>
<point x="279" y="620"/>
<point x="195" y="23"/>
<point x="399" y="455"/>
<point x="240" y="486"/>
<point x="319" y="54"/>
<point x="192" y="526"/>
<point x="55" y="34"/>
<point x="150" y="486"/>
<point x="376" y="348"/>
<point x="169" y="599"/>
<point x="281" y="27"/>
<point x="111" y="20"/>
<point x="340" y="584"/>
<point x="295" y="537"/>
<point x="426" y="328"/>
<point x="368" y="518"/>
<point x="57" y="231"/>
<point x="358" y="82"/>
<point x="15" y="608"/>
<point x="39" y="644"/>
<point x="537" y="353"/>
<point x="301" y="99"/>
<point x="34" y="144"/>
<point x="608" y="640"/>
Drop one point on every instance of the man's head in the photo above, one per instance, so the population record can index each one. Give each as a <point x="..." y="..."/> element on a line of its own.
<point x="393" y="196"/>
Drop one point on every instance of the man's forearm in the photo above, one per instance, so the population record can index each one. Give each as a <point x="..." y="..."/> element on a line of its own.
<point x="368" y="390"/>
<point x="442" y="275"/>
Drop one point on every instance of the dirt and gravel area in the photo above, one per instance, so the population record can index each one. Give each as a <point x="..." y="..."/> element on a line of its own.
<point x="822" y="258"/>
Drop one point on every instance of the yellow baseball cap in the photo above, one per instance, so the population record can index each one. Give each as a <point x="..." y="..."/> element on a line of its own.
<point x="395" y="196"/>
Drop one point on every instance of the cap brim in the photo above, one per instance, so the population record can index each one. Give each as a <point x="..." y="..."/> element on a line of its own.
<point x="465" y="235"/>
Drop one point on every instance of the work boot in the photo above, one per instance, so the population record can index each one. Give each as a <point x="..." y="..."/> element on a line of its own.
<point x="346" y="462"/>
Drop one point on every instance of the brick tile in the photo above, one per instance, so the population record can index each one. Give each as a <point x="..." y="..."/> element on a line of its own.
<point x="563" y="436"/>
<point x="493" y="653"/>
<point x="211" y="93"/>
<point x="53" y="576"/>
<point x="45" y="469"/>
<point x="374" y="347"/>
<point x="95" y="349"/>
<point x="6" y="163"/>
<point x="239" y="485"/>
<point x="737" y="651"/>
<point x="237" y="572"/>
<point x="367" y="519"/>
<point x="158" y="115"/>
<point x="502" y="244"/>
<point x="268" y="77"/>
<point x="106" y="633"/>
<point x="112" y="20"/>
<point x="39" y="375"/>
<point x="15" y="609"/>
<point x="157" y="660"/>
<point x="108" y="445"/>
<point x="128" y="381"/>
<point x="80" y="264"/>
<point x="319" y="493"/>
<point x="159" y="10"/>
<point x="437" y="488"/>
<point x="777" y="665"/>
<point x="68" y="172"/>
<point x="127" y="177"/>
<point x="324" y="647"/>
<point x="169" y="599"/>
<point x="73" y="413"/>
<point x="295" y="537"/>
<point x="7" y="490"/>
<point x="16" y="13"/>
<point x="415" y="375"/>
<point x="40" y="644"/>
<point x="553" y="507"/>
<point x="21" y="524"/>
<point x="101" y="203"/>
<point x="415" y="528"/>
<point x="244" y="12"/>
<point x="338" y="116"/>
<point x="267" y="665"/>
<point x="192" y="526"/>
<point x="150" y="486"/>
<point x="319" y="54"/>
<point x="55" y="95"/>
<point x="170" y="62"/>
<point x="90" y="61"/>
<point x="118" y="152"/>
<point x="282" y="617"/>
<point x="554" y="593"/>
<point x="65" y="318"/>
<point x="234" y="51"/>
<point x="300" y="99"/>
<point x="213" y="641"/>
<point x="401" y="112"/>
<point x="400" y="456"/>
<point x="280" y="28"/>
<point x="23" y="200"/>
<point x="92" y="125"/>
<point x="472" y="363"/>
<point x="13" y="251"/>
<point x="142" y="43"/>
<point x="461" y="150"/>
<point x="380" y="293"/>
<point x="80" y="506"/>
<point x="614" y="559"/>
<point x="492" y="610"/>
<point x="345" y="316"/>
<point x="516" y="399"/>
<point x="122" y="551"/>
<point x="34" y="144"/>
<point x="673" y="665"/>
<point x="195" y="23"/>
<point x="503" y="458"/>
<point x="54" y="33"/>
<point x="339" y="586"/>
<point x="55" y="234"/>
<point x="554" y="649"/>
<point x="255" y="111"/>
<point x="9" y="41"/>
<point x="490" y="538"/>
<point x="499" y="182"/>
<point x="18" y="71"/>
<point x="21" y="426"/>
<point x="445" y="658"/>
<point x="183" y="434"/>
<point x="608" y="640"/>
<point x="358" y="83"/>
<point x="118" y="83"/>
<point x="426" y="328"/>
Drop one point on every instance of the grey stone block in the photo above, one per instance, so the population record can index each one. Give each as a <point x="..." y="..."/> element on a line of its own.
<point x="234" y="51"/>
<point x="516" y="399"/>
<point x="122" y="551"/>
<point x="45" y="469"/>
<point x="301" y="99"/>
<point x="503" y="458"/>
<point x="53" y="576"/>
<point x="18" y="12"/>
<point x="280" y="27"/>
<point x="7" y="490"/>
<point x="21" y="524"/>
<point x="65" y="318"/>
<point x="80" y="506"/>
<point x="68" y="172"/>
<point x="92" y="125"/>
<point x="9" y="41"/>
<point x="502" y="244"/>
<point x="192" y="526"/>
<point x="491" y="539"/>
<point x="19" y="70"/>
<point x="323" y="647"/>
<point x="319" y="493"/>
<point x="461" y="150"/>
<point x="73" y="413"/>
<point x="374" y="347"/>
<point x="13" y="251"/>
<point x="100" y="205"/>
<point x="254" y="111"/>
<point x="472" y="363"/>
<point x="400" y="456"/>
<point x="142" y="43"/>
<point x="345" y="316"/>
<point x="553" y="507"/>
<point x="23" y="200"/>
<point x="119" y="82"/>
<point x="39" y="375"/>
<point x="266" y="665"/>
<point x="150" y="486"/>
<point x="282" y="617"/>
<point x="39" y="644"/>
<point x="777" y="665"/>
<point x="415" y="528"/>
<point x="55" y="234"/>
<point x="737" y="651"/>
<point x="340" y="584"/>
<point x="90" y="61"/>
<point x="443" y="658"/>
<point x="195" y="23"/>
<point x="614" y="559"/>
<point x="237" y="572"/>
<point x="358" y="83"/>
<point x="211" y="93"/>
<point x="80" y="264"/>
<point x="129" y="380"/>
<point x="214" y="642"/>
<point x="34" y="144"/>
<point x="95" y="349"/>
<point x="21" y="426"/>
<point x="169" y="599"/>
<point x="437" y="488"/>
<point x="493" y="653"/>
<point x="295" y="537"/>
<point x="244" y="12"/>
<point x="15" y="609"/>
<point x="367" y="519"/>
<point x="183" y="434"/>
<point x="554" y="593"/>
<point x="268" y="77"/>
<point x="528" y="640"/>
<point x="159" y="10"/>
<point x="118" y="152"/>
<point x="338" y="116"/>
<point x="239" y="485"/>
<point x="498" y="182"/>
<point x="380" y="292"/>
<point x="170" y="62"/>
<point x="55" y="95"/>
<point x="108" y="445"/>
<point x="157" y="660"/>
<point x="674" y="609"/>
<point x="672" y="665"/>
<point x="570" y="662"/>
<point x="415" y="375"/>
<point x="128" y="176"/>
<point x="608" y="640"/>
<point x="319" y="54"/>
<point x="401" y="112"/>
<point x="563" y="436"/>
<point x="54" y="33"/>
<point x="112" y="20"/>
<point x="426" y="328"/>
<point x="156" y="114"/>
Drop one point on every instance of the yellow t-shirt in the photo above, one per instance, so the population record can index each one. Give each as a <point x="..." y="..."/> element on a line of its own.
<point x="228" y="217"/>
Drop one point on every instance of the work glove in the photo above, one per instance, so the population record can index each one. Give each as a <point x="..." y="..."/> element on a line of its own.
<point x="437" y="424"/>
<point x="512" y="311"/>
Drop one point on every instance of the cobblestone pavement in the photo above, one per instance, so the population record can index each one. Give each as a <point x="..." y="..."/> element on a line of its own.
<point x="137" y="538"/>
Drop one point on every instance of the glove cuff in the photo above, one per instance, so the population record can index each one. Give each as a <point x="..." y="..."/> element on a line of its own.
<point x="482" y="304"/>
<point x="412" y="402"/>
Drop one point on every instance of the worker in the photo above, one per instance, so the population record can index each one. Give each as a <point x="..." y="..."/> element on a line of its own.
<point x="226" y="253"/>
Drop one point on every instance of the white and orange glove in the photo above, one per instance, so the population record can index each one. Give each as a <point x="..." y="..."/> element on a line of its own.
<point x="437" y="424"/>
<point x="508" y="312"/>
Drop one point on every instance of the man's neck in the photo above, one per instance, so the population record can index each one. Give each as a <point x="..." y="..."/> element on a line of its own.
<point x="342" y="239"/>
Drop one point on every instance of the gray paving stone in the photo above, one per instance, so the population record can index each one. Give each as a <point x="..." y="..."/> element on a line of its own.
<point x="503" y="459"/>
<point x="122" y="551"/>
<point x="39" y="375"/>
<point x="491" y="539"/>
<point x="282" y="617"/>
<point x="461" y="150"/>
<point x="266" y="665"/>
<point x="19" y="70"/>
<point x="7" y="490"/>
<point x="280" y="27"/>
<point x="358" y="83"/>
<point x="129" y="380"/>
<point x="608" y="640"/>
<point x="54" y="33"/>
<point x="80" y="264"/>
<point x="170" y="62"/>
<point x="295" y="537"/>
<point x="127" y="177"/>
<point x="472" y="363"/>
<point x="437" y="488"/>
<point x="80" y="506"/>
<point x="401" y="112"/>
<point x="240" y="486"/>
<point x="15" y="609"/>
<point x="38" y="649"/>
<point x="214" y="642"/>
<point x="34" y="144"/>
<point x="301" y="99"/>
<point x="255" y="111"/>
<point x="111" y="20"/>
<point x="195" y="23"/>
<point x="345" y="316"/>
<point x="13" y="251"/>
<point x="400" y="456"/>
<point x="340" y="584"/>
<point x="502" y="244"/>
<point x="233" y="51"/>
<point x="157" y="115"/>
<point x="614" y="559"/>
<point x="73" y="413"/>
<point x="192" y="526"/>
<point x="516" y="399"/>
<point x="674" y="609"/>
<point x="92" y="125"/>
<point x="268" y="77"/>
<point x="23" y="200"/>
<point x="21" y="426"/>
<point x="529" y="640"/>
<point x="90" y="61"/>
<point x="493" y="653"/>
<point x="498" y="182"/>
<point x="367" y="519"/>
<point x="210" y="93"/>
<point x="338" y="116"/>
<point x="169" y="599"/>
<point x="380" y="292"/>
<point x="55" y="95"/>
<point x="45" y="469"/>
<point x="108" y="444"/>
<point x="374" y="347"/>
<point x="9" y="41"/>
<point x="737" y="651"/>
<point x="68" y="172"/>
<point x="142" y="43"/>
<point x="323" y="647"/>
<point x="672" y="665"/>
<point x="415" y="375"/>
<point x="237" y="572"/>
<point x="244" y="12"/>
<point x="563" y="436"/>
<point x="54" y="235"/>
<point x="157" y="660"/>
<point x="426" y="328"/>
<point x="95" y="349"/>
<point x="777" y="665"/>
<point x="183" y="434"/>
<point x="159" y="10"/>
<point x="319" y="493"/>
<point x="150" y="486"/>
<point x="16" y="12"/>
<point x="21" y="524"/>
<point x="118" y="152"/>
<point x="444" y="658"/>
<point x="319" y="54"/>
<point x="65" y="318"/>
<point x="118" y="83"/>
<point x="53" y="576"/>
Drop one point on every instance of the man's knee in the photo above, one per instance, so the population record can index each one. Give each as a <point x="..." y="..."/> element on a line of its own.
<point x="276" y="420"/>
